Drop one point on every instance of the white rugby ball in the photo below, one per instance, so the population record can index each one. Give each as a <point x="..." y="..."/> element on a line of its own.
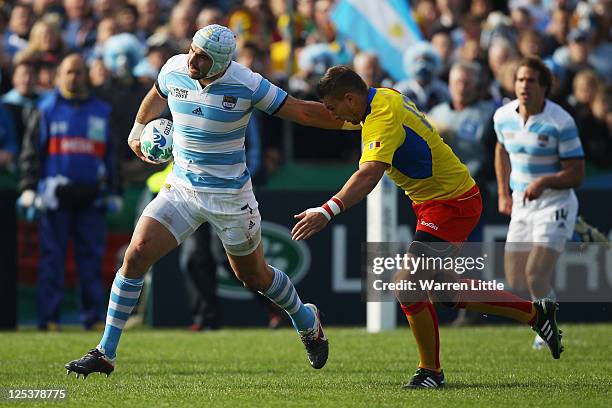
<point x="156" y="140"/>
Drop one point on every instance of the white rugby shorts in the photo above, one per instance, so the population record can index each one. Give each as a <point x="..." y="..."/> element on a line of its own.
<point x="549" y="220"/>
<point x="234" y="217"/>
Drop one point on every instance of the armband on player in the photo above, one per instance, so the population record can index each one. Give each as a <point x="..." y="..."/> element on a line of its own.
<point x="331" y="208"/>
<point x="136" y="131"/>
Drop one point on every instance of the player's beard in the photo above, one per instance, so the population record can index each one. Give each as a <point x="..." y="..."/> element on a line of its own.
<point x="197" y="76"/>
<point x="194" y="75"/>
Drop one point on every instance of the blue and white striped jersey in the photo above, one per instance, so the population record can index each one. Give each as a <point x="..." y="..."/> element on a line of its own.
<point x="210" y="123"/>
<point x="536" y="147"/>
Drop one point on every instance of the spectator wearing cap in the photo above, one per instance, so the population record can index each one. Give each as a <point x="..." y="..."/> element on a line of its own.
<point x="15" y="37"/>
<point x="422" y="65"/>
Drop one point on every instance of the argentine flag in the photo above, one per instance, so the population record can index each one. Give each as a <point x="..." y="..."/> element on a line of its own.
<point x="385" y="27"/>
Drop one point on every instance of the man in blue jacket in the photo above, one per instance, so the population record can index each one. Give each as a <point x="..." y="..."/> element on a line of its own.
<point x="68" y="175"/>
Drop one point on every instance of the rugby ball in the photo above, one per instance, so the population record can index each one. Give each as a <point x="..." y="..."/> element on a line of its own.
<point x="156" y="140"/>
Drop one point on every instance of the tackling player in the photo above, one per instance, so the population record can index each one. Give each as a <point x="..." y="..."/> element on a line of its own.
<point x="399" y="140"/>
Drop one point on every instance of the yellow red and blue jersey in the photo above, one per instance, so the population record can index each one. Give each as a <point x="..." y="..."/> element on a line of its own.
<point x="395" y="132"/>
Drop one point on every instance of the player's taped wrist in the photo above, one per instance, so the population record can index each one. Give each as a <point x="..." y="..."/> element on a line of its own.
<point x="136" y="131"/>
<point x="331" y="208"/>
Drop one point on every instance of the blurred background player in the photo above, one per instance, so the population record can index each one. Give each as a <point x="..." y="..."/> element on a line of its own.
<point x="68" y="174"/>
<point x="538" y="162"/>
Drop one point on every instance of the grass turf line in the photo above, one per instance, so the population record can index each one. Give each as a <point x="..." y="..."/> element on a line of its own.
<point x="484" y="366"/>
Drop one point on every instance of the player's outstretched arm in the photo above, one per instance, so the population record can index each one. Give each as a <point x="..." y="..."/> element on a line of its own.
<point x="354" y="190"/>
<point x="311" y="113"/>
<point x="150" y="108"/>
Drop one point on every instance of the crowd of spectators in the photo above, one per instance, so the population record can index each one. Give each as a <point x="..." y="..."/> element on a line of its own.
<point x="125" y="43"/>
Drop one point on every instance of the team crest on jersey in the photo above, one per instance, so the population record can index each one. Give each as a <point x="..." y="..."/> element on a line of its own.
<point x="542" y="140"/>
<point x="229" y="102"/>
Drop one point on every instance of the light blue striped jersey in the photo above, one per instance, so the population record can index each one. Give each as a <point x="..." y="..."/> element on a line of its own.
<point x="536" y="147"/>
<point x="210" y="123"/>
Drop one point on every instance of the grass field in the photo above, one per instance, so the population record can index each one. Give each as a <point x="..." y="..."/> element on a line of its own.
<point x="485" y="366"/>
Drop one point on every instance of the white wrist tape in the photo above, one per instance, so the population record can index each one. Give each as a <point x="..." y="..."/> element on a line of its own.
<point x="136" y="131"/>
<point x="331" y="208"/>
<point x="320" y="210"/>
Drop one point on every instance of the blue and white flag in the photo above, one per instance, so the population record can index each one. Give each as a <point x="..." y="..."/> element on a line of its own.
<point x="385" y="27"/>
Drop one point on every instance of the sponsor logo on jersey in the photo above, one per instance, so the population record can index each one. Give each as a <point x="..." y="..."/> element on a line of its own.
<point x="179" y="93"/>
<point x="197" y="111"/>
<point x="76" y="145"/>
<point x="429" y="225"/>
